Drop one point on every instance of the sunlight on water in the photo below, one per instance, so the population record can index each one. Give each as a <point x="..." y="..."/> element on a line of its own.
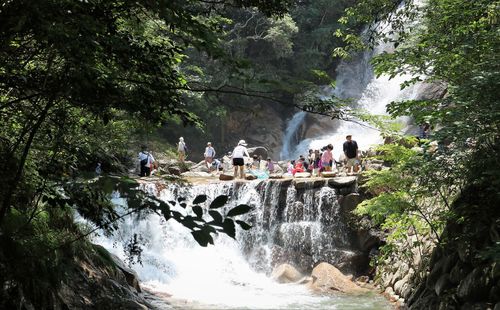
<point x="218" y="276"/>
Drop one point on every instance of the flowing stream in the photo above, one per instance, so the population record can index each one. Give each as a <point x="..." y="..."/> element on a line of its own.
<point x="235" y="274"/>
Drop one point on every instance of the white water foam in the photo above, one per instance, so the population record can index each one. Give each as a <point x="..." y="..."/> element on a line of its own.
<point x="218" y="276"/>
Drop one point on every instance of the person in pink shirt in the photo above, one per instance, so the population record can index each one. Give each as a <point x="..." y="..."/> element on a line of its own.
<point x="327" y="158"/>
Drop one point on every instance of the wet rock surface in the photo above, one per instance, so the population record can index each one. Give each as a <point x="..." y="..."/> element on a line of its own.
<point x="327" y="278"/>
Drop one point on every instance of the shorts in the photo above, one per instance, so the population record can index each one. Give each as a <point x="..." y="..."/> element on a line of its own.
<point x="351" y="162"/>
<point x="238" y="162"/>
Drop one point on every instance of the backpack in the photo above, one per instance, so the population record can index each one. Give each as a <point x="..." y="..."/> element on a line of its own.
<point x="144" y="162"/>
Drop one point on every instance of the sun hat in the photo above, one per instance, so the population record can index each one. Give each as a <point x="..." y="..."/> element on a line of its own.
<point x="242" y="142"/>
<point x="209" y="143"/>
<point x="181" y="139"/>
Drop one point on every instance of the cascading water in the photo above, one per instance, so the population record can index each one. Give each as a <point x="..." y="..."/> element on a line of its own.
<point x="292" y="127"/>
<point x="355" y="79"/>
<point x="299" y="224"/>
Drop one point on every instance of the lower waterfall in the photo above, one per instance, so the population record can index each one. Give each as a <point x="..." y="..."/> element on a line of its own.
<point x="296" y="222"/>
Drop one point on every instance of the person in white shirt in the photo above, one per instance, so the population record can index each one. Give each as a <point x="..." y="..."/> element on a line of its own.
<point x="146" y="161"/>
<point x="181" y="149"/>
<point x="238" y="154"/>
<point x="209" y="155"/>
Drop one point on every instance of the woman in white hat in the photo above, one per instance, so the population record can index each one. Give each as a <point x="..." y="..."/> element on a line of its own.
<point x="238" y="153"/>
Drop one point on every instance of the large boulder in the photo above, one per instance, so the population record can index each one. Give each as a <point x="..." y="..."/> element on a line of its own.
<point x="259" y="151"/>
<point x="349" y="203"/>
<point x="286" y="273"/>
<point x="327" y="278"/>
<point x="130" y="274"/>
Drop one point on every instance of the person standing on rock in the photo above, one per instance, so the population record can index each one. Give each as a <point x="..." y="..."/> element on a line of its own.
<point x="238" y="154"/>
<point x="181" y="149"/>
<point x="351" y="153"/>
<point x="270" y="165"/>
<point x="209" y="155"/>
<point x="327" y="157"/>
<point x="146" y="160"/>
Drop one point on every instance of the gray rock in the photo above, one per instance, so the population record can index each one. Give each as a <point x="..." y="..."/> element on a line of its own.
<point x="459" y="271"/>
<point x="259" y="151"/>
<point x="494" y="294"/>
<point x="339" y="182"/>
<point x="474" y="286"/>
<point x="174" y="170"/>
<point x="362" y="279"/>
<point x="442" y="284"/>
<point x="350" y="202"/>
<point x="398" y="286"/>
<point x="130" y="274"/>
<point x="389" y="291"/>
<point x="301" y="184"/>
<point x="286" y="273"/>
<point x="327" y="278"/>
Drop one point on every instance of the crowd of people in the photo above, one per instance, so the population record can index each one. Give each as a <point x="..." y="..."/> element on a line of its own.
<point x="322" y="160"/>
<point x="317" y="161"/>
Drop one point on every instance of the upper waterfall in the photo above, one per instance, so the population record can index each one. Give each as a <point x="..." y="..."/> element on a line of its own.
<point x="355" y="80"/>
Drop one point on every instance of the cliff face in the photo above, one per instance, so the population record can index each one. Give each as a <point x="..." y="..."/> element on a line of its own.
<point x="262" y="125"/>
<point x="464" y="270"/>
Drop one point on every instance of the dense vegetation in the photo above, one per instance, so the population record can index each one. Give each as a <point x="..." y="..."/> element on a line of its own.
<point x="78" y="81"/>
<point x="81" y="81"/>
<point x="449" y="194"/>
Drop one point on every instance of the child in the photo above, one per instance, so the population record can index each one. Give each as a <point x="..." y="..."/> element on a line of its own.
<point x="270" y="165"/>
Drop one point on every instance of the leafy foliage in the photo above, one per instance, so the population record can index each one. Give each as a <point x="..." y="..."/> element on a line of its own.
<point x="453" y="43"/>
<point x="78" y="79"/>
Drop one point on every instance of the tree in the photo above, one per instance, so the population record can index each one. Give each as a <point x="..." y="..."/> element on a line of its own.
<point x="454" y="42"/>
<point x="76" y="79"/>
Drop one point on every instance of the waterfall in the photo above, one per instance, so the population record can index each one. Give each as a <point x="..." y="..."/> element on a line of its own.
<point x="297" y="223"/>
<point x="355" y="79"/>
<point x="290" y="134"/>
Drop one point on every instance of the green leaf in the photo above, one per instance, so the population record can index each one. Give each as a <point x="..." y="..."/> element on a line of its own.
<point x="244" y="225"/>
<point x="229" y="228"/>
<point x="198" y="211"/>
<point x="216" y="216"/>
<point x="203" y="237"/>
<point x="199" y="199"/>
<point x="189" y="222"/>
<point x="238" y="210"/>
<point x="218" y="202"/>
<point x="177" y="216"/>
